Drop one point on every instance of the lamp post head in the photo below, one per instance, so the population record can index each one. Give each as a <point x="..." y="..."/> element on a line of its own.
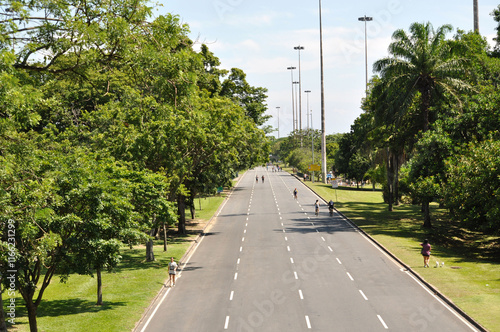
<point x="290" y="68"/>
<point x="365" y="18"/>
<point x="307" y="91"/>
<point x="298" y="47"/>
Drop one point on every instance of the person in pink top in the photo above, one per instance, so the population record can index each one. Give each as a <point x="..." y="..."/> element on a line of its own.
<point x="426" y="252"/>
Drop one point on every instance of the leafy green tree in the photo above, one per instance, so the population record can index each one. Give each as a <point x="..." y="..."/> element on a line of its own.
<point x="58" y="40"/>
<point x="423" y="71"/>
<point x="252" y="99"/>
<point x="496" y="16"/>
<point x="472" y="191"/>
<point x="427" y="169"/>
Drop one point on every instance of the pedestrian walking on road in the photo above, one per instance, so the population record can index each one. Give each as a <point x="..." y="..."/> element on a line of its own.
<point x="295" y="193"/>
<point x="172" y="271"/>
<point x="316" y="207"/>
<point x="262" y="178"/>
<point x="257" y="178"/>
<point x="426" y="252"/>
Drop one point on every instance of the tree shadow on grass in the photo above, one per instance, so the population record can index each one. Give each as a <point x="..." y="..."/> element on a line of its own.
<point x="406" y="221"/>
<point x="54" y="308"/>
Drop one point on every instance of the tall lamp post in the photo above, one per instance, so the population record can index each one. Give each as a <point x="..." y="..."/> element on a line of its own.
<point x="312" y="143"/>
<point x="293" y="100"/>
<point x="278" y="109"/>
<point x="296" y="83"/>
<point x="476" y="16"/>
<point x="307" y="111"/>
<point x="366" y="19"/>
<point x="323" y="129"/>
<point x="299" y="48"/>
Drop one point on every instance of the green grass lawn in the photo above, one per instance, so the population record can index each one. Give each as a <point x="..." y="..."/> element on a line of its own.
<point x="127" y="290"/>
<point x="471" y="274"/>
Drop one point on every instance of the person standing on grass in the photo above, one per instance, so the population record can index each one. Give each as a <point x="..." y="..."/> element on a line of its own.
<point x="426" y="252"/>
<point x="172" y="271"/>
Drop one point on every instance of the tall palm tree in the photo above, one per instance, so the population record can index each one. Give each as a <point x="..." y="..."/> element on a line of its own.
<point x="420" y="71"/>
<point x="421" y="66"/>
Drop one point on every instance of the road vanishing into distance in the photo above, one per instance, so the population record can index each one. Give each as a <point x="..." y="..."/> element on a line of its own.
<point x="267" y="263"/>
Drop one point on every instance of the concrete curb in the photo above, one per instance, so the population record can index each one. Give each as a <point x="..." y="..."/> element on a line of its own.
<point x="406" y="267"/>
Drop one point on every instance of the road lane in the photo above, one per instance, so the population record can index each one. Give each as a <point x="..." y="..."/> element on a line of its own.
<point x="269" y="264"/>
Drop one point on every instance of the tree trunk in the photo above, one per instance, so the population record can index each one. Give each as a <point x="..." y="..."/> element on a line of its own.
<point x="3" y="323"/>
<point x="427" y="214"/>
<point x="390" y="179"/>
<point x="150" y="256"/>
<point x="31" y="307"/>
<point x="181" y="210"/>
<point x="99" y="286"/>
<point x="193" y="210"/>
<point x="165" y="225"/>
<point x="425" y="106"/>
<point x="396" y="179"/>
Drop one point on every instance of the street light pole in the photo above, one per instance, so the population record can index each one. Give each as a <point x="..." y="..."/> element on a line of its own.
<point x="296" y="83"/>
<point x="278" y="109"/>
<point x="366" y="19"/>
<point x="323" y="129"/>
<point x="299" y="48"/>
<point x="312" y="143"/>
<point x="293" y="100"/>
<point x="307" y="111"/>
<point x="476" y="16"/>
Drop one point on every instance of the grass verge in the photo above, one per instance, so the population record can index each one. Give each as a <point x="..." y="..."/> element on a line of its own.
<point x="471" y="274"/>
<point x="127" y="291"/>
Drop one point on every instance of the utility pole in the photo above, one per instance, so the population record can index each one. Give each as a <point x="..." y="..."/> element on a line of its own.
<point x="278" y="109"/>
<point x="476" y="16"/>
<point x="323" y="129"/>
<point x="366" y="19"/>
<point x="307" y="111"/>
<point x="299" y="48"/>
<point x="293" y="100"/>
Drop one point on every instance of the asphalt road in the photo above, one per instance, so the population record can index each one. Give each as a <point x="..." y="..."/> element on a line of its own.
<point x="269" y="264"/>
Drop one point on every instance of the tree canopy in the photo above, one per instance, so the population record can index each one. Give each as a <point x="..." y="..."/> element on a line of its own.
<point x="110" y="121"/>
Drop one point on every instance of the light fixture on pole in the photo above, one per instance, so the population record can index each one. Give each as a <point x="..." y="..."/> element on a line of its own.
<point x="366" y="19"/>
<point x="278" y="109"/>
<point x="323" y="129"/>
<point x="299" y="48"/>
<point x="296" y="83"/>
<point x="307" y="111"/>
<point x="293" y="99"/>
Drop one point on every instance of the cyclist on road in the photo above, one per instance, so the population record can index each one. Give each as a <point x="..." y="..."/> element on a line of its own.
<point x="262" y="178"/>
<point x="257" y="178"/>
<point x="316" y="207"/>
<point x="330" y="207"/>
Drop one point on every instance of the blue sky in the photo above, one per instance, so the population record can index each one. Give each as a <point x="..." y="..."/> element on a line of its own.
<point x="259" y="37"/>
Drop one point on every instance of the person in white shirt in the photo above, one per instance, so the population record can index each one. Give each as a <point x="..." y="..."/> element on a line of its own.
<point x="172" y="271"/>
